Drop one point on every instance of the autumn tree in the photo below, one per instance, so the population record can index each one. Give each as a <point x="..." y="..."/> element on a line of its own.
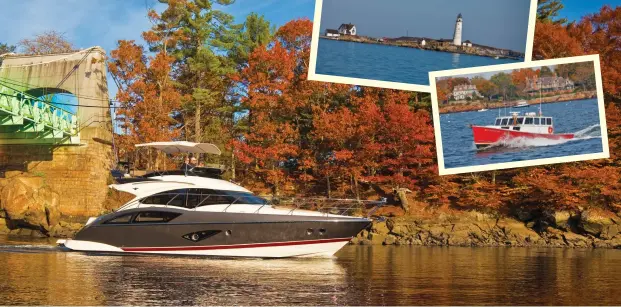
<point x="46" y="43"/>
<point x="583" y="74"/>
<point x="147" y="99"/>
<point x="271" y="82"/>
<point x="503" y="82"/>
<point x="485" y="87"/>
<point x="599" y="34"/>
<point x="521" y="77"/>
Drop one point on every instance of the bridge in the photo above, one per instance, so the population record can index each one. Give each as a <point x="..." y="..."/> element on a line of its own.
<point x="55" y="156"/>
<point x="30" y="85"/>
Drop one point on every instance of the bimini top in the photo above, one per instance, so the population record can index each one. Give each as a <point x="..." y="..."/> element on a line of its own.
<point x="183" y="147"/>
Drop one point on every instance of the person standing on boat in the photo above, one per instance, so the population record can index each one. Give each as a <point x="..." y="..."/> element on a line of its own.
<point x="186" y="164"/>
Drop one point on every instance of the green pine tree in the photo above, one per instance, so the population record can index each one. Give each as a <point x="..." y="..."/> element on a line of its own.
<point x="548" y="11"/>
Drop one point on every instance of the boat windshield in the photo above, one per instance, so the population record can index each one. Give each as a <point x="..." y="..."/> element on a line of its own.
<point x="194" y="198"/>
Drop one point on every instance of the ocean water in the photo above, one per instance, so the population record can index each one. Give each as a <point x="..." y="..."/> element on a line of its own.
<point x="37" y="273"/>
<point x="579" y="117"/>
<point x="390" y="63"/>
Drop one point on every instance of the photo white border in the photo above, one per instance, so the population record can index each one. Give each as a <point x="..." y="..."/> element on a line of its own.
<point x="605" y="154"/>
<point x="313" y="76"/>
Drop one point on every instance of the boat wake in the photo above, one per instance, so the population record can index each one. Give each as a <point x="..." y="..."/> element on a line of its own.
<point x="587" y="133"/>
<point x="27" y="248"/>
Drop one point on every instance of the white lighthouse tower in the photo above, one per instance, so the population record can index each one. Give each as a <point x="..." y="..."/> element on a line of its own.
<point x="458" y="28"/>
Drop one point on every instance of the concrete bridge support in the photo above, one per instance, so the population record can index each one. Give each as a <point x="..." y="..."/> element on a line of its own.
<point x="51" y="188"/>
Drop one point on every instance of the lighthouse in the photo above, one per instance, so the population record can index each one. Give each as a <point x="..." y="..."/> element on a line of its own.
<point x="458" y="27"/>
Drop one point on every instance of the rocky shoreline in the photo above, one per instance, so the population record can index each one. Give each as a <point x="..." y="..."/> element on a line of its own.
<point x="452" y="49"/>
<point x="478" y="105"/>
<point x="587" y="229"/>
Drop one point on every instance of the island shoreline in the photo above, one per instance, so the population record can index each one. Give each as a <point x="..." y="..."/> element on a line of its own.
<point x="430" y="48"/>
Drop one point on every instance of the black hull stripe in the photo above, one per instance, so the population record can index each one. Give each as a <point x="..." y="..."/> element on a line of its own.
<point x="216" y="247"/>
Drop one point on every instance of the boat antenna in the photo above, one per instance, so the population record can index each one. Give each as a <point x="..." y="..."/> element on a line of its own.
<point x="540" y="100"/>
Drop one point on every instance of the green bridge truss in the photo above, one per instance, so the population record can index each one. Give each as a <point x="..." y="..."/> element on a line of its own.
<point x="26" y="119"/>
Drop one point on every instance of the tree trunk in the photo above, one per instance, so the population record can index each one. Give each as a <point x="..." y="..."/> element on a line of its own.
<point x="328" y="182"/>
<point x="493" y="177"/>
<point x="232" y="165"/>
<point x="403" y="199"/>
<point x="357" y="191"/>
<point x="197" y="123"/>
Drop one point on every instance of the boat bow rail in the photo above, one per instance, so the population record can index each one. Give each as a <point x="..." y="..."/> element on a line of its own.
<point x="335" y="206"/>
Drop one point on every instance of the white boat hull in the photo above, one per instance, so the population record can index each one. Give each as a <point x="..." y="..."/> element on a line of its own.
<point x="310" y="248"/>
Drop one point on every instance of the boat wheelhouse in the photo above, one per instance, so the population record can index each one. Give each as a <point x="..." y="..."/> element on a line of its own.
<point x="529" y="125"/>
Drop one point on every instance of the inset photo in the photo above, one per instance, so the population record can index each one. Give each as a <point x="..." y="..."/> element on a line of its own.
<point x="518" y="115"/>
<point x="396" y="43"/>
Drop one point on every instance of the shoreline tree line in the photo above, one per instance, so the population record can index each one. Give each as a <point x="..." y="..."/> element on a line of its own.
<point x="202" y="77"/>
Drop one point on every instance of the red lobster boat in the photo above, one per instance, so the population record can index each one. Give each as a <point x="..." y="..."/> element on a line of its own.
<point x="530" y="125"/>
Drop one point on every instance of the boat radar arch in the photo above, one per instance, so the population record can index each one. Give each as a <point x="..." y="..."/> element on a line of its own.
<point x="183" y="147"/>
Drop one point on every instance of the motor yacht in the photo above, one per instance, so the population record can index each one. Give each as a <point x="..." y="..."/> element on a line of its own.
<point x="195" y="212"/>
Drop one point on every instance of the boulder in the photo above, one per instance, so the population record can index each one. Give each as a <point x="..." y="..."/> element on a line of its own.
<point x="376" y="239"/>
<point x="561" y="219"/>
<point x="610" y="231"/>
<point x="390" y="240"/>
<point x="380" y="228"/>
<point x="400" y="230"/>
<point x="30" y="202"/>
<point x="595" y="221"/>
<point x="4" y="229"/>
<point x="576" y="240"/>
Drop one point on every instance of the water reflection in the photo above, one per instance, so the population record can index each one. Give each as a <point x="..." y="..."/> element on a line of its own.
<point x="360" y="275"/>
<point x="455" y="60"/>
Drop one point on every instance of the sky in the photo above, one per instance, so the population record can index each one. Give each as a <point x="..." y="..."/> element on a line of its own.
<point x="88" y="23"/>
<point x="497" y="23"/>
<point x="575" y="9"/>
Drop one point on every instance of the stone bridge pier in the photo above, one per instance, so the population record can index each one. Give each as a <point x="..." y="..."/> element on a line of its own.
<point x="49" y="187"/>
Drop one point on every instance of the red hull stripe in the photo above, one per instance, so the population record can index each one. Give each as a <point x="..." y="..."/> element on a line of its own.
<point x="196" y="248"/>
<point x="486" y="135"/>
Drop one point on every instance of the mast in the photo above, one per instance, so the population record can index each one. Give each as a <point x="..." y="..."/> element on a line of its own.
<point x="540" y="99"/>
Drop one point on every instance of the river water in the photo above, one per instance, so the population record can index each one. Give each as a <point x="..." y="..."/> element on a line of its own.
<point x="390" y="63"/>
<point x="579" y="117"/>
<point x="34" y="272"/>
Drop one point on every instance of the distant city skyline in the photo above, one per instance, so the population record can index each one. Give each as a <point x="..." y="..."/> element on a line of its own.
<point x="495" y="23"/>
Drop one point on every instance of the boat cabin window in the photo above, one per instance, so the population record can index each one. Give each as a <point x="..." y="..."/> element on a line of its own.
<point x="537" y="121"/>
<point x="155" y="217"/>
<point x="505" y="121"/>
<point x="498" y="120"/>
<point x="123" y="219"/>
<point x="549" y="121"/>
<point x="520" y="120"/>
<point x="175" y="198"/>
<point x="206" y="197"/>
<point x="529" y="121"/>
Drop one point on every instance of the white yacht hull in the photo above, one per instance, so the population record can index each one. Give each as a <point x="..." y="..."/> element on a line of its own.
<point x="308" y="248"/>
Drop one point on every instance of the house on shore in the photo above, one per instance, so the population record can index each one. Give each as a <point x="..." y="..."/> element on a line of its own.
<point x="465" y="91"/>
<point x="549" y="84"/>
<point x="347" y="29"/>
<point x="467" y="44"/>
<point x="332" y="33"/>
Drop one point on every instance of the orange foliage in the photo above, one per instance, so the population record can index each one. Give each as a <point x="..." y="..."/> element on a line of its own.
<point x="147" y="97"/>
